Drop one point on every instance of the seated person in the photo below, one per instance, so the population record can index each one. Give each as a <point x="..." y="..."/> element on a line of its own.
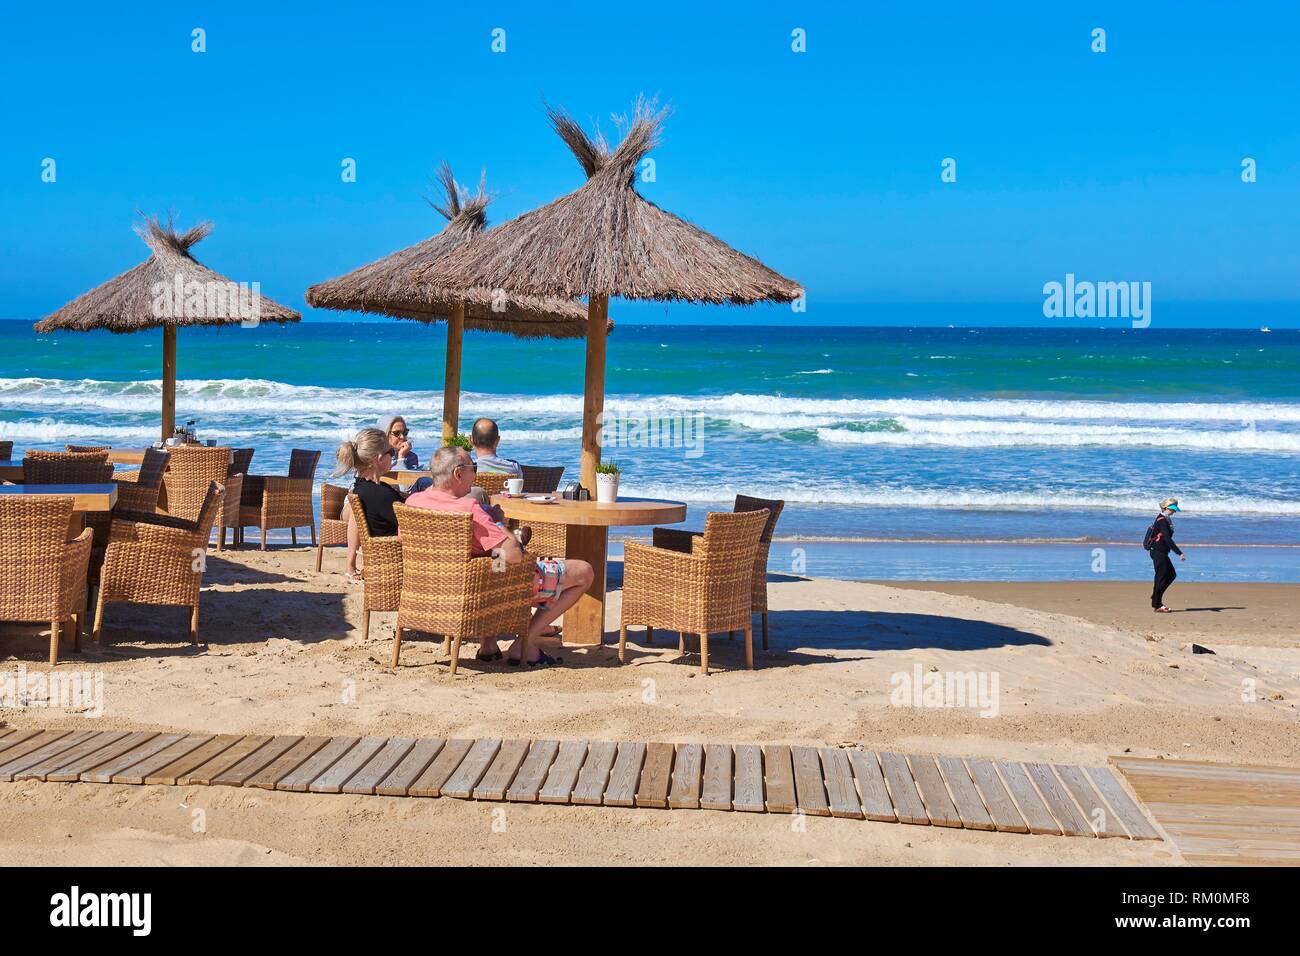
<point x="485" y="437"/>
<point x="557" y="582"/>
<point x="369" y="456"/>
<point x="394" y="426"/>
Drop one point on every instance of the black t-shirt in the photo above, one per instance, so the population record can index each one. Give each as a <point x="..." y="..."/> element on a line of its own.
<point x="377" y="501"/>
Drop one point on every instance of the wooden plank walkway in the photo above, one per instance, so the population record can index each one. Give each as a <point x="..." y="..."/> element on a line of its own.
<point x="1216" y="814"/>
<point x="852" y="784"/>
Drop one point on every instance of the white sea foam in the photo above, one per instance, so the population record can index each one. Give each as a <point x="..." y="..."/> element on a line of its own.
<point x="985" y="434"/>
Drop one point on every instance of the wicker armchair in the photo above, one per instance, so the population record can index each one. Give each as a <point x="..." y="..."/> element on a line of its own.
<point x="549" y="540"/>
<point x="491" y="482"/>
<point x="66" y="468"/>
<point x="192" y="470"/>
<point x="333" y="529"/>
<point x="6" y="450"/>
<point x="680" y="540"/>
<point x="273" y="501"/>
<point x="158" y="559"/>
<point x="88" y="448"/>
<point x="704" y="589"/>
<point x="446" y="592"/>
<point x="383" y="577"/>
<point x="42" y="573"/>
<point x="139" y="490"/>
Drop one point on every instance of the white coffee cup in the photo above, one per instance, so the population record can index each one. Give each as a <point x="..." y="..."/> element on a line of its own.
<point x="515" y="486"/>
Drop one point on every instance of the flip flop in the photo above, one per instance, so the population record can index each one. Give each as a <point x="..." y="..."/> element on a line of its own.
<point x="355" y="576"/>
<point x="1162" y="610"/>
<point x="553" y="631"/>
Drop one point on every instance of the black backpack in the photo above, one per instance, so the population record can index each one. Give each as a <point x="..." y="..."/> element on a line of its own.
<point x="1150" y="538"/>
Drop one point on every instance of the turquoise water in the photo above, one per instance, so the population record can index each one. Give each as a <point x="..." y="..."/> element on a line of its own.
<point x="870" y="435"/>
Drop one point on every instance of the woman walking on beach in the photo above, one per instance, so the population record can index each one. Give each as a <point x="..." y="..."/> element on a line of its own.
<point x="1160" y="541"/>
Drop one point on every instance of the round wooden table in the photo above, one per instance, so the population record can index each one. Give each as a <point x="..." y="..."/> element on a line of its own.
<point x="588" y="524"/>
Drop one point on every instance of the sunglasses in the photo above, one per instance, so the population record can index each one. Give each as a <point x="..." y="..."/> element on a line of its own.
<point x="399" y="432"/>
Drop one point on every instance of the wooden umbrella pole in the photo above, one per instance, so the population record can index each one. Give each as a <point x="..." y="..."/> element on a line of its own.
<point x="169" y="381"/>
<point x="593" y="393"/>
<point x="451" y="373"/>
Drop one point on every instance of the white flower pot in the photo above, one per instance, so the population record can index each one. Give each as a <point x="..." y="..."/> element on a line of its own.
<point x="606" y="487"/>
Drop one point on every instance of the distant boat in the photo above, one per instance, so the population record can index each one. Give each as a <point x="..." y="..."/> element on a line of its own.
<point x="1266" y="329"/>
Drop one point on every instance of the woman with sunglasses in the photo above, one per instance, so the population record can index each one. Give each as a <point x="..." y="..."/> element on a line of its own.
<point x="399" y="440"/>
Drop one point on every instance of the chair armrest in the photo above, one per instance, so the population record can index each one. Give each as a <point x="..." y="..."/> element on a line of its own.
<point x="675" y="539"/>
<point x="130" y="477"/>
<point x="132" y="497"/>
<point x="76" y="558"/>
<point x="154" y="518"/>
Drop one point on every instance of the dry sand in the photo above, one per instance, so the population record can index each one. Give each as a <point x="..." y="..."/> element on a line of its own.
<point x="1083" y="673"/>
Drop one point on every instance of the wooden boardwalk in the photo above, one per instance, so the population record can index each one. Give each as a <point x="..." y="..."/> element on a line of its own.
<point x="747" y="778"/>
<point x="1222" y="814"/>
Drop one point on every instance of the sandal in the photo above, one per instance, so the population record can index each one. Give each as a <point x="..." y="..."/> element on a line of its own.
<point x="488" y="658"/>
<point x="553" y="631"/>
<point x="1162" y="610"/>
<point x="355" y="576"/>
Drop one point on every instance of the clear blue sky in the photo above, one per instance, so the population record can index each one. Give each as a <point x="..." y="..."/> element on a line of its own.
<point x="1124" y="165"/>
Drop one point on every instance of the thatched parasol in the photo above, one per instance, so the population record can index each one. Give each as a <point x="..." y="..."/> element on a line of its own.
<point x="606" y="240"/>
<point x="386" y="287"/>
<point x="169" y="289"/>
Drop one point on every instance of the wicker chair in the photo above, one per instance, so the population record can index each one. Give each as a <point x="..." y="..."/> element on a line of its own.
<point x="707" y="588"/>
<point x="273" y="501"/>
<point x="680" y="540"/>
<point x="139" y="490"/>
<point x="88" y="448"/>
<point x="491" y="482"/>
<point x="42" y="573"/>
<point x="6" y="450"/>
<point x="66" y="468"/>
<point x="383" y="577"/>
<point x="158" y="559"/>
<point x="192" y="471"/>
<point x="549" y="540"/>
<point x="446" y="592"/>
<point x="333" y="529"/>
<point x="241" y="459"/>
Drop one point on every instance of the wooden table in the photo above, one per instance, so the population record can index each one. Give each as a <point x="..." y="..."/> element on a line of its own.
<point x="404" y="477"/>
<point x="588" y="524"/>
<point x="126" y="456"/>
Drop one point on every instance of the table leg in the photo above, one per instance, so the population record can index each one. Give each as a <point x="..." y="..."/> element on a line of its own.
<point x="584" y="623"/>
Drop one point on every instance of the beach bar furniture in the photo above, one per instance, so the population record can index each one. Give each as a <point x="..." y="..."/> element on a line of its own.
<point x="157" y="559"/>
<point x="587" y="525"/>
<point x="705" y="589"/>
<point x="549" y="539"/>
<point x="333" y="528"/>
<point x="42" y="569"/>
<point x="282" y="501"/>
<point x="382" y="583"/>
<point x="604" y="240"/>
<point x="448" y="593"/>
<point x="192" y="471"/>
<point x="168" y="290"/>
<point x="387" y="287"/>
<point x="6" y="450"/>
<point x="679" y="539"/>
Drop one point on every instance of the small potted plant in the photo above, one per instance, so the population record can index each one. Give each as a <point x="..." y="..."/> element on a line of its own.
<point x="607" y="473"/>
<point x="458" y="441"/>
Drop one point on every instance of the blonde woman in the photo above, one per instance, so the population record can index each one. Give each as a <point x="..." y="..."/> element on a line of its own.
<point x="369" y="457"/>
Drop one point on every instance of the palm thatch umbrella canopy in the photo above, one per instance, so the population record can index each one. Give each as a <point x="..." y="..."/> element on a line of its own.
<point x="605" y="240"/>
<point x="387" y="287"/>
<point x="169" y="289"/>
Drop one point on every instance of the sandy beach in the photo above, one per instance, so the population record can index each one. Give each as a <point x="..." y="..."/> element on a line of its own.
<point x="1083" y="672"/>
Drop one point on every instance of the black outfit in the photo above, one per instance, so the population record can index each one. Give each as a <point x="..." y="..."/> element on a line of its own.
<point x="377" y="500"/>
<point x="1164" y="565"/>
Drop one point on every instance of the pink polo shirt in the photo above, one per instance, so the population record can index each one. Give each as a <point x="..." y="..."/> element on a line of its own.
<point x="486" y="533"/>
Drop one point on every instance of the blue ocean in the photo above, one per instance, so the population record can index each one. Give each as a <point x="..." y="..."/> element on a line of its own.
<point x="941" y="453"/>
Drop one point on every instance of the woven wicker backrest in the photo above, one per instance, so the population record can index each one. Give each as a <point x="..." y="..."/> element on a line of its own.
<point x="212" y="503"/>
<point x="240" y="461"/>
<point x="33" y="529"/>
<point x="359" y="516"/>
<point x="88" y="448"/>
<point x="66" y="468"/>
<point x="492" y="484"/>
<point x="193" y="470"/>
<point x="746" y="503"/>
<point x="152" y="467"/>
<point x="731" y="538"/>
<point x="332" y="500"/>
<point x="541" y="479"/>
<point x="302" y="463"/>
<point x="434" y="537"/>
<point x="6" y="450"/>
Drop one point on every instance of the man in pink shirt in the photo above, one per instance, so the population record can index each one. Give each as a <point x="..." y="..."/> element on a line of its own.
<point x="557" y="583"/>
